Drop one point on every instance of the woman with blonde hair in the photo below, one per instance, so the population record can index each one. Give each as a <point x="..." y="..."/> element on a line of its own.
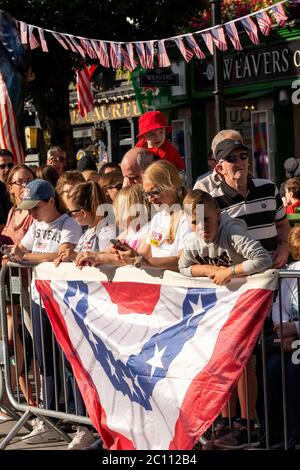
<point x="165" y="191"/>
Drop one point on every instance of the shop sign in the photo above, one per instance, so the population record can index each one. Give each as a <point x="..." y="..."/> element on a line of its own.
<point x="256" y="65"/>
<point x="159" y="77"/>
<point x="106" y="112"/>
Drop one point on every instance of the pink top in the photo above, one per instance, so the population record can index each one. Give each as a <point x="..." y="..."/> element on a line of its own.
<point x="14" y="231"/>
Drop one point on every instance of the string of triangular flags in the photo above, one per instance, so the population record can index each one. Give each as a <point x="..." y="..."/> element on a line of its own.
<point x="125" y="54"/>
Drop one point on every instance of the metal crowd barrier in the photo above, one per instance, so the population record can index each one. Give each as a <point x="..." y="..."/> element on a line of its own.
<point x="19" y="360"/>
<point x="16" y="279"/>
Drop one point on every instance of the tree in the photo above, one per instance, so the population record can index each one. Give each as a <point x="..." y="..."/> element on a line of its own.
<point x="123" y="20"/>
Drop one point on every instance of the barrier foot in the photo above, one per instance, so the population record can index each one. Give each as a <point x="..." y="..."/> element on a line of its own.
<point x="14" y="431"/>
<point x="64" y="435"/>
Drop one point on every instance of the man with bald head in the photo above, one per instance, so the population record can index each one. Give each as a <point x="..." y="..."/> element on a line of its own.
<point x="211" y="181"/>
<point x="133" y="165"/>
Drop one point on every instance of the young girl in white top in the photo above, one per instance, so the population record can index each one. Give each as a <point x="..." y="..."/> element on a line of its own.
<point x="51" y="231"/>
<point x="83" y="205"/>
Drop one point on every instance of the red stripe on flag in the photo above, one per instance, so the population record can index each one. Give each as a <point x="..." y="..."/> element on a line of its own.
<point x="84" y="91"/>
<point x="9" y="136"/>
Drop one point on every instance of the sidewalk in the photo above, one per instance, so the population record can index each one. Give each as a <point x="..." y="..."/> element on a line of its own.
<point x="17" y="443"/>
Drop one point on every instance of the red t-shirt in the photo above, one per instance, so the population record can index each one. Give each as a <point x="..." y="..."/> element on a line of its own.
<point x="291" y="208"/>
<point x="166" y="151"/>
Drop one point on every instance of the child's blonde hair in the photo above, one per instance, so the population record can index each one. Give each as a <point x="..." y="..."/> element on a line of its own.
<point x="129" y="203"/>
<point x="165" y="176"/>
<point x="294" y="242"/>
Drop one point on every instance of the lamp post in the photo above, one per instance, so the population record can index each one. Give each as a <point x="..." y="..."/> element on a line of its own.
<point x="218" y="71"/>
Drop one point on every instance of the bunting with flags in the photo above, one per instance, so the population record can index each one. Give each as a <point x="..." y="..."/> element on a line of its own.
<point x="124" y="54"/>
<point x="155" y="357"/>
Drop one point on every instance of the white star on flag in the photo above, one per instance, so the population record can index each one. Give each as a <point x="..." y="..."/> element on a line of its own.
<point x="155" y="362"/>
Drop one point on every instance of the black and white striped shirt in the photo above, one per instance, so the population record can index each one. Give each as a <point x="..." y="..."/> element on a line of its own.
<point x="261" y="208"/>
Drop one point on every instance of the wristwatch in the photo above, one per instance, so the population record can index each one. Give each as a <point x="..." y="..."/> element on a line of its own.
<point x="138" y="261"/>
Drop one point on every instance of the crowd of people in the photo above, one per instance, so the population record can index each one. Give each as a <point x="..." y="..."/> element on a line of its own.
<point x="139" y="212"/>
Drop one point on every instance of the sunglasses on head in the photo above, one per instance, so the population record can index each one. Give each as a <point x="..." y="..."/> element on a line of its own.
<point x="6" y="165"/>
<point x="235" y="158"/>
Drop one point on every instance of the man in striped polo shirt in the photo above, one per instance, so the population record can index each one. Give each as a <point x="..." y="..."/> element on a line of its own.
<point x="258" y="203"/>
<point x="254" y="200"/>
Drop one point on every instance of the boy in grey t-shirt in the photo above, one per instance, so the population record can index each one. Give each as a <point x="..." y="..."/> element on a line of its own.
<point x="219" y="247"/>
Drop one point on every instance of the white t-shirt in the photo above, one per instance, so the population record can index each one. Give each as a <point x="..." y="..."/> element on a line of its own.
<point x="159" y="235"/>
<point x="43" y="237"/>
<point x="96" y="238"/>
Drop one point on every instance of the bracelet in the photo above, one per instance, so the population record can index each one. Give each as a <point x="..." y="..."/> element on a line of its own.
<point x="233" y="271"/>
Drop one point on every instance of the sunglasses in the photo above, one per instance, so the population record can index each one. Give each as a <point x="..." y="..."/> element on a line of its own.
<point x="56" y="159"/>
<point x="73" y="212"/>
<point x="154" y="193"/>
<point x="6" y="165"/>
<point x="117" y="186"/>
<point x="235" y="158"/>
<point x="21" y="182"/>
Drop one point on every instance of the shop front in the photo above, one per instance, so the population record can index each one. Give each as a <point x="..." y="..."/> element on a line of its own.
<point x="258" y="102"/>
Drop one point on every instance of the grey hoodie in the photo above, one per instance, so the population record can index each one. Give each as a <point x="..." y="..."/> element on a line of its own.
<point x="232" y="245"/>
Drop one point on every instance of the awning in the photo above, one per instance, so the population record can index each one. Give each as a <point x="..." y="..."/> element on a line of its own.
<point x="253" y="95"/>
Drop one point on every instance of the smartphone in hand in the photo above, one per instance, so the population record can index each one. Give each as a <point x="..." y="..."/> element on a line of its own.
<point x="121" y="246"/>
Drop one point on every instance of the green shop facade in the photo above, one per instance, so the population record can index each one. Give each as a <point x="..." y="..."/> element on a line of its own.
<point x="262" y="101"/>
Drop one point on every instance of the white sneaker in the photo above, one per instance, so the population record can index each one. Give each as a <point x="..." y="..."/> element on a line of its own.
<point x="41" y="433"/>
<point x="83" y="438"/>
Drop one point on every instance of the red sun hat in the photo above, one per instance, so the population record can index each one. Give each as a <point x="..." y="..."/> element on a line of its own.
<point x="152" y="120"/>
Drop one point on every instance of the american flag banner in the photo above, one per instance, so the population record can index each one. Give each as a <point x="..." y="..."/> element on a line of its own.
<point x="77" y="46"/>
<point x="33" y="42"/>
<point x="88" y="47"/>
<point x="124" y="58"/>
<point x="102" y="52"/>
<point x="279" y="14"/>
<point x="232" y="33"/>
<point x="70" y="43"/>
<point x="149" y="54"/>
<point x="140" y="49"/>
<point x="157" y="355"/>
<point x="219" y="39"/>
<point x="9" y="133"/>
<point x="43" y="40"/>
<point x="59" y="39"/>
<point x="162" y="56"/>
<point x="207" y="38"/>
<point x="84" y="90"/>
<point x="114" y="59"/>
<point x="185" y="51"/>
<point x="23" y="32"/>
<point x="194" y="46"/>
<point x="264" y="22"/>
<point x="251" y="29"/>
<point x="130" y="52"/>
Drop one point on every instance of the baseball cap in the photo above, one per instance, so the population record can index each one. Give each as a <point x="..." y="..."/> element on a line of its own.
<point x="86" y="163"/>
<point x="36" y="191"/>
<point x="224" y="148"/>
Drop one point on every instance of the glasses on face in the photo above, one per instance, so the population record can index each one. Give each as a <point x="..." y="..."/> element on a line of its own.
<point x="153" y="193"/>
<point x="6" y="165"/>
<point x="116" y="186"/>
<point x="56" y="159"/>
<point x="21" y="182"/>
<point x="235" y="158"/>
<point x="73" y="212"/>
